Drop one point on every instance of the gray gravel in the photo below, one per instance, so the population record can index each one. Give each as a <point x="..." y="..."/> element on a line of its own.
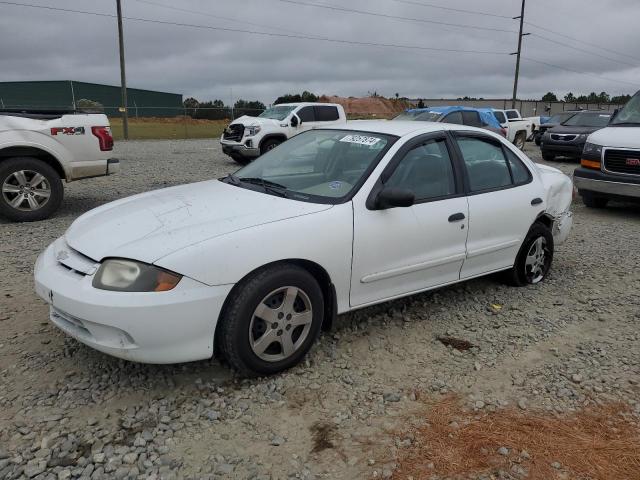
<point x="67" y="411"/>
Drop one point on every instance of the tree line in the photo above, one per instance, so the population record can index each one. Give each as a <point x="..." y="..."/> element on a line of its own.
<point x="217" y="110"/>
<point x="593" y="97"/>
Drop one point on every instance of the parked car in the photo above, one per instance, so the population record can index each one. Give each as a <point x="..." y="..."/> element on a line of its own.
<point x="39" y="149"/>
<point x="246" y="138"/>
<point x="568" y="138"/>
<point x="253" y="265"/>
<point x="518" y="128"/>
<point x="552" y="122"/>
<point x="472" y="117"/>
<point x="610" y="164"/>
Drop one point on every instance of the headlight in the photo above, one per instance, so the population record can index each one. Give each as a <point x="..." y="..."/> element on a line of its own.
<point x="592" y="149"/>
<point x="121" y="275"/>
<point x="251" y="131"/>
<point x="582" y="136"/>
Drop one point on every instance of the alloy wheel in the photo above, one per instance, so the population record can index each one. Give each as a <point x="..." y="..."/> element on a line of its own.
<point x="26" y="190"/>
<point x="535" y="266"/>
<point x="280" y="324"/>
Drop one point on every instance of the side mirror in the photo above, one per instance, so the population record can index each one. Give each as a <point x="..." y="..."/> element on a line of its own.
<point x="295" y="121"/>
<point x="394" y="197"/>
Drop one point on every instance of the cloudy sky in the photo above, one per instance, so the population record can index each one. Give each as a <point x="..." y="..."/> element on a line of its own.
<point x="207" y="63"/>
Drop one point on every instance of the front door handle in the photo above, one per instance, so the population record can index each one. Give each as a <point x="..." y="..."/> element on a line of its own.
<point x="536" y="201"/>
<point x="456" y="217"/>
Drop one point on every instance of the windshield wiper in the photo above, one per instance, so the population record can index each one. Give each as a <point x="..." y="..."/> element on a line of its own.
<point x="269" y="186"/>
<point x="231" y="178"/>
<point x="624" y="123"/>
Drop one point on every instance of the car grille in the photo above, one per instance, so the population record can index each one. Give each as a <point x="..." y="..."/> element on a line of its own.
<point x="563" y="137"/>
<point x="622" y="161"/>
<point x="233" y="132"/>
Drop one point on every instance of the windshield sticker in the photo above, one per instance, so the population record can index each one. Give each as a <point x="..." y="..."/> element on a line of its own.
<point x="335" y="185"/>
<point x="360" y="140"/>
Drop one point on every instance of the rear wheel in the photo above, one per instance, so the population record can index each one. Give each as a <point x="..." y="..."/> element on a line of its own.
<point x="520" y="140"/>
<point x="30" y="189"/>
<point x="271" y="320"/>
<point x="534" y="258"/>
<point x="592" y="201"/>
<point x="549" y="157"/>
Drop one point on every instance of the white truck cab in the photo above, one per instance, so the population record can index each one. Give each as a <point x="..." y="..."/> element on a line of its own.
<point x="518" y="128"/>
<point x="610" y="164"/>
<point x="246" y="138"/>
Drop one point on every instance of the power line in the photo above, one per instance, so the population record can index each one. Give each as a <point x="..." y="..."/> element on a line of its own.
<point x="394" y="17"/>
<point x="578" y="71"/>
<point x="581" y="41"/>
<point x="253" y="32"/>
<point x="459" y="10"/>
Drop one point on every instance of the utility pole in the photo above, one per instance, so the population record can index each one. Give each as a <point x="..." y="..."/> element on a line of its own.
<point x="520" y="35"/>
<point x="123" y="75"/>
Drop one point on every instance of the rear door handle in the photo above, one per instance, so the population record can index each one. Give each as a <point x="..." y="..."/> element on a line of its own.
<point x="536" y="201"/>
<point x="456" y="217"/>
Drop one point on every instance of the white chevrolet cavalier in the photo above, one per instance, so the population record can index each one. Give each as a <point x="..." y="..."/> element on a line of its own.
<point x="253" y="265"/>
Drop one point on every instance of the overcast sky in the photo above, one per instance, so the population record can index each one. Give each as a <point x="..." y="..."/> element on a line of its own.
<point x="37" y="44"/>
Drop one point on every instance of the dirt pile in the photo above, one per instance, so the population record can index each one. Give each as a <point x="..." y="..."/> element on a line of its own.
<point x="369" y="106"/>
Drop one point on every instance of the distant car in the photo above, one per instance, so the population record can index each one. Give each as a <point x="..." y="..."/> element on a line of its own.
<point x="472" y="117"/>
<point x="518" y="128"/>
<point x="253" y="265"/>
<point x="610" y="164"/>
<point x="552" y="122"/>
<point x="568" y="138"/>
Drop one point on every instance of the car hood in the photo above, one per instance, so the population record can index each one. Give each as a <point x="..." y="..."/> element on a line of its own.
<point x="248" y="121"/>
<point x="619" y="137"/>
<point x="151" y="225"/>
<point x="573" y="130"/>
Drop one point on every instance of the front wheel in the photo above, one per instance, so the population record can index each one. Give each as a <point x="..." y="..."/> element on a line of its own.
<point x="592" y="201"/>
<point x="271" y="320"/>
<point x="538" y="139"/>
<point x="534" y="258"/>
<point x="269" y="145"/>
<point x="30" y="189"/>
<point x="549" y="157"/>
<point x="520" y="140"/>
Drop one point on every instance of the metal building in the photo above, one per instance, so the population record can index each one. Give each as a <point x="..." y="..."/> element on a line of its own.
<point x="69" y="94"/>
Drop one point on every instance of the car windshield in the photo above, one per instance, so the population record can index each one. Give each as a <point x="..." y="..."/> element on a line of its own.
<point x="499" y="116"/>
<point x="588" y="119"/>
<point x="630" y="113"/>
<point x="424" y="116"/>
<point x="319" y="166"/>
<point x="278" y="112"/>
<point x="560" y="117"/>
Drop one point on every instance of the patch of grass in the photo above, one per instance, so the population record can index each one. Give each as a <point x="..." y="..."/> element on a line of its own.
<point x="168" y="128"/>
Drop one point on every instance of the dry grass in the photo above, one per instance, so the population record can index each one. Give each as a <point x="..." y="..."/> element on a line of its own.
<point x="148" y="128"/>
<point x="600" y="443"/>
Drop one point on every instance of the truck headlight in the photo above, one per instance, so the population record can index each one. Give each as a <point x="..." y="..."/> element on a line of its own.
<point x="251" y="131"/>
<point x="592" y="149"/>
<point x="120" y="275"/>
<point x="582" y="136"/>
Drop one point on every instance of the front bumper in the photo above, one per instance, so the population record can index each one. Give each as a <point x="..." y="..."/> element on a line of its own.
<point x="239" y="150"/>
<point x="564" y="148"/>
<point x="155" y="327"/>
<point x="606" y="184"/>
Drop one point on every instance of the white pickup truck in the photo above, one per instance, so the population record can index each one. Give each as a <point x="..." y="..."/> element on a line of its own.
<point x="246" y="138"/>
<point x="518" y="129"/>
<point x="40" y="149"/>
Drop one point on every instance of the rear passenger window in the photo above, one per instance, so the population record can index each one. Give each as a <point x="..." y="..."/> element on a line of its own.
<point x="326" y="114"/>
<point x="307" y="114"/>
<point x="471" y="118"/>
<point x="453" y="117"/>
<point x="486" y="164"/>
<point x="519" y="171"/>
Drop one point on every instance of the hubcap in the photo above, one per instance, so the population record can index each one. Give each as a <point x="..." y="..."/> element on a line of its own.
<point x="26" y="190"/>
<point x="280" y="324"/>
<point x="535" y="265"/>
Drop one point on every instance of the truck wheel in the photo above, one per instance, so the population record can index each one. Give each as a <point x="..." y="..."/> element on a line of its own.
<point x="271" y="320"/>
<point x="592" y="201"/>
<point x="520" y="140"/>
<point x="269" y="145"/>
<point x="30" y="189"/>
<point x="549" y="157"/>
<point x="240" y="160"/>
<point x="538" y="139"/>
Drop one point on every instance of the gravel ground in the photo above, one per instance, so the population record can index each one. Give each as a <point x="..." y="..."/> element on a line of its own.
<point x="67" y="411"/>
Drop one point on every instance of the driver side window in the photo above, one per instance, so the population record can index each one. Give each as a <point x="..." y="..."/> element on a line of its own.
<point x="307" y="114"/>
<point x="426" y="170"/>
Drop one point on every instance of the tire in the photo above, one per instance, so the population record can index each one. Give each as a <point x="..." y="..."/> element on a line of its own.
<point x="549" y="157"/>
<point x="241" y="160"/>
<point x="591" y="201"/>
<point x="269" y="145"/>
<point x="255" y="336"/>
<point x="538" y="139"/>
<point x="527" y="270"/>
<point x="520" y="140"/>
<point x="22" y="201"/>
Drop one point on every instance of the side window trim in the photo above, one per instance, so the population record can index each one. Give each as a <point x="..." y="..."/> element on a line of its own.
<point x="455" y="134"/>
<point x="406" y="148"/>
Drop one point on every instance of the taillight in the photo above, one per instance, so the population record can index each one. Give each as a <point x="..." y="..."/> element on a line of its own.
<point x="503" y="131"/>
<point x="104" y="137"/>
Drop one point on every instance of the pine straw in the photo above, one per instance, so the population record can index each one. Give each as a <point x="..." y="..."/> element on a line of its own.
<point x="599" y="443"/>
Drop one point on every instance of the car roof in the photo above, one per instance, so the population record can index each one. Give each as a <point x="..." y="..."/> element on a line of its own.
<point x="305" y="104"/>
<point x="400" y="128"/>
<point x="443" y="109"/>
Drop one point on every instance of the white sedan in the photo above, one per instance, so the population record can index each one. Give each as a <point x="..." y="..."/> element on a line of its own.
<point x="252" y="266"/>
